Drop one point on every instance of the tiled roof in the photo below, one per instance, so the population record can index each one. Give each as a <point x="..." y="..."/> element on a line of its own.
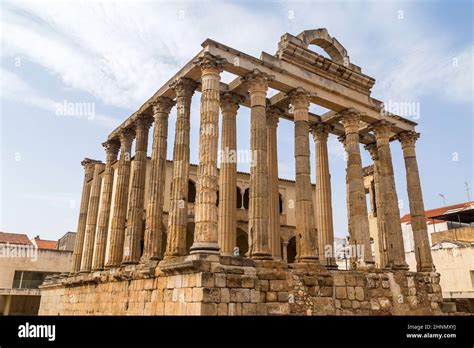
<point x="14" y="238"/>
<point x="429" y="214"/>
<point x="46" y="244"/>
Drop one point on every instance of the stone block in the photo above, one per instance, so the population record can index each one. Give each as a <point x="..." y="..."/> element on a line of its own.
<point x="341" y="292"/>
<point x="359" y="293"/>
<point x="234" y="281"/>
<point x="351" y="280"/>
<point x="239" y="295"/>
<point x="355" y="304"/>
<point x="254" y="296"/>
<point x="211" y="295"/>
<point x="278" y="285"/>
<point x="248" y="282"/>
<point x="271" y="296"/>
<point x="351" y="293"/>
<point x="346" y="304"/>
<point x="222" y="309"/>
<point x="220" y="280"/>
<point x="225" y="295"/>
<point x="310" y="280"/>
<point x="249" y="309"/>
<point x="208" y="309"/>
<point x="339" y="280"/>
<point x="282" y="296"/>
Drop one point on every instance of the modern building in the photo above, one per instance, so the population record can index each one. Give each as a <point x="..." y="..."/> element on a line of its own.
<point x="24" y="265"/>
<point x="452" y="246"/>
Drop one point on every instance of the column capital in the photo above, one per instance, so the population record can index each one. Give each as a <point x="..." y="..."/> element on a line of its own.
<point x="257" y="80"/>
<point x="230" y="101"/>
<point x="350" y="119"/>
<point x="184" y="87"/>
<point x="143" y="122"/>
<point x="112" y="147"/>
<point x="210" y="63"/>
<point x="126" y="136"/>
<point x="89" y="163"/>
<point x="273" y="116"/>
<point x="300" y="98"/>
<point x="162" y="105"/>
<point x="408" y="138"/>
<point x="320" y="131"/>
<point x="373" y="151"/>
<point x="382" y="130"/>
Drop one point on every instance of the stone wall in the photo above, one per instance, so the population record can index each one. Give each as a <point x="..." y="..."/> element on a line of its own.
<point x="214" y="285"/>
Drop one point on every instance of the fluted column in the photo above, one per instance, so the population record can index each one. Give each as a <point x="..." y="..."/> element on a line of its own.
<point x="119" y="213"/>
<point x="154" y="212"/>
<point x="133" y="231"/>
<point x="178" y="214"/>
<point x="324" y="223"/>
<point x="424" y="259"/>
<point x="357" y="204"/>
<point x="273" y="116"/>
<point x="88" y="165"/>
<point x="306" y="235"/>
<point x="381" y="234"/>
<point x="393" y="228"/>
<point x="205" y="232"/>
<point x="259" y="247"/>
<point x="111" y="150"/>
<point x="92" y="215"/>
<point x="227" y="224"/>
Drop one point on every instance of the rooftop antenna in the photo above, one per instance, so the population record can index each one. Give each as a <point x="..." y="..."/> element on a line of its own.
<point x="443" y="197"/>
<point x="467" y="190"/>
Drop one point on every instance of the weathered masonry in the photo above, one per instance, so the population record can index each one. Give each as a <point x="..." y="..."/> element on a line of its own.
<point x="130" y="258"/>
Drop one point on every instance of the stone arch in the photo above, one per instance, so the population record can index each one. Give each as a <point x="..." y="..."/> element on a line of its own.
<point x="329" y="44"/>
<point x="246" y="198"/>
<point x="242" y="242"/>
<point x="239" y="198"/>
<point x="191" y="191"/>
<point x="291" y="250"/>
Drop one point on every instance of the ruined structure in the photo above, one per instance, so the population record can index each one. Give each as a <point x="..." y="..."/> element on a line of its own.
<point x="121" y="264"/>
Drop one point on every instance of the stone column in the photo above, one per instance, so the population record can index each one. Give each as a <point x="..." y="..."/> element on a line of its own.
<point x="324" y="223"/>
<point x="111" y="150"/>
<point x="178" y="213"/>
<point x="393" y="228"/>
<point x="424" y="260"/>
<point x="205" y="232"/>
<point x="88" y="165"/>
<point x="306" y="235"/>
<point x="273" y="116"/>
<point x="357" y="204"/>
<point x="382" y="237"/>
<point x="119" y="213"/>
<point x="259" y="247"/>
<point x="133" y="232"/>
<point x="227" y="224"/>
<point x="154" y="212"/>
<point x="92" y="214"/>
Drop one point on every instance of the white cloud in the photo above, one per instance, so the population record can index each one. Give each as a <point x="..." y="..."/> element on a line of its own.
<point x="122" y="52"/>
<point x="16" y="89"/>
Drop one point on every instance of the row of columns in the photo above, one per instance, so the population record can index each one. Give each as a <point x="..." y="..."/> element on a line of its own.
<point x="314" y="233"/>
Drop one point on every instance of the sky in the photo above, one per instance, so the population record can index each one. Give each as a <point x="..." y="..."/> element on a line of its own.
<point x="111" y="56"/>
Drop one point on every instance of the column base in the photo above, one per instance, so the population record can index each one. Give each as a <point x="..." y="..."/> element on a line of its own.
<point x="261" y="256"/>
<point x="398" y="266"/>
<point x="329" y="263"/>
<point x="426" y="268"/>
<point x="204" y="248"/>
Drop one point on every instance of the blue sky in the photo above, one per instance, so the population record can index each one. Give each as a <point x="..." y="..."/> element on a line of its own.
<point x="115" y="55"/>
